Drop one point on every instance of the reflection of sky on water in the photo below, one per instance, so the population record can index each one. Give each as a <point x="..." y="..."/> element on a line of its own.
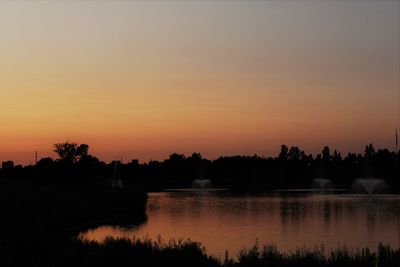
<point x="222" y="221"/>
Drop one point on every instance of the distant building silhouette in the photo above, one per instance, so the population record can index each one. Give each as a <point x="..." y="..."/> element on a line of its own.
<point x="7" y="165"/>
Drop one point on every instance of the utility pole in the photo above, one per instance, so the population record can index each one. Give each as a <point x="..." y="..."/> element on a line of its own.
<point x="36" y="157"/>
<point x="397" y="151"/>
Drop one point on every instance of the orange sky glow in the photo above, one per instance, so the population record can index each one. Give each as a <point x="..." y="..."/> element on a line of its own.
<point x="146" y="79"/>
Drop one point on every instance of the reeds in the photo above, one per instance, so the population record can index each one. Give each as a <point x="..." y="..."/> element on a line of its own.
<point x="269" y="256"/>
<point x="146" y="252"/>
<point x="178" y="252"/>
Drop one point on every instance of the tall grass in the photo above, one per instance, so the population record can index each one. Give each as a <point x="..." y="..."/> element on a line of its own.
<point x="131" y="252"/>
<point x="147" y="252"/>
<point x="269" y="256"/>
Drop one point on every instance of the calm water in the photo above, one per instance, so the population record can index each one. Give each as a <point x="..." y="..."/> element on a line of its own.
<point x="221" y="220"/>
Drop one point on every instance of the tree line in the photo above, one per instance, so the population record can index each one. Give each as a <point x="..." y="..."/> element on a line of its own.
<point x="292" y="167"/>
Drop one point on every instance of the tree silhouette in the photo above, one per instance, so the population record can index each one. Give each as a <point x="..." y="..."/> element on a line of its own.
<point x="295" y="153"/>
<point x="175" y="157"/>
<point x="82" y="151"/>
<point x="196" y="156"/>
<point x="337" y="157"/>
<point x="66" y="151"/>
<point x="369" y="151"/>
<point x="326" y="154"/>
<point x="71" y="152"/>
<point x="283" y="155"/>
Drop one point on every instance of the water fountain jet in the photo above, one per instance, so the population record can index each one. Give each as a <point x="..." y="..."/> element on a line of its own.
<point x="322" y="183"/>
<point x="369" y="185"/>
<point x="202" y="184"/>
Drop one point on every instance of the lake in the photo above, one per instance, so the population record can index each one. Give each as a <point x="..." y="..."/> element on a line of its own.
<point x="222" y="220"/>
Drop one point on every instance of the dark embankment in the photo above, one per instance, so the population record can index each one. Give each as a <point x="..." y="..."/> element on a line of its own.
<point x="38" y="221"/>
<point x="125" y="252"/>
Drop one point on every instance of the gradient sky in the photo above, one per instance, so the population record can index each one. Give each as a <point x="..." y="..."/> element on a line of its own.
<point x="145" y="79"/>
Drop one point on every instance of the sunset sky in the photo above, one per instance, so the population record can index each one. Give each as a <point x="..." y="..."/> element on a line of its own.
<point x="145" y="79"/>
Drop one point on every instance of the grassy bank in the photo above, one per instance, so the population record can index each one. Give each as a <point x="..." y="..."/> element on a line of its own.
<point x="39" y="220"/>
<point x="126" y="252"/>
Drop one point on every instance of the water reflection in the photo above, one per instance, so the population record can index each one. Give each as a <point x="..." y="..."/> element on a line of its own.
<point x="222" y="220"/>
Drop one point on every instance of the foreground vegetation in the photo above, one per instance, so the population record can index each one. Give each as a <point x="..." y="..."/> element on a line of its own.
<point x="126" y="252"/>
<point x="39" y="220"/>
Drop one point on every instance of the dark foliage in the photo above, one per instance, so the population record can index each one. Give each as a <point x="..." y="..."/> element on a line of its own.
<point x="292" y="168"/>
<point x="38" y="220"/>
<point x="147" y="253"/>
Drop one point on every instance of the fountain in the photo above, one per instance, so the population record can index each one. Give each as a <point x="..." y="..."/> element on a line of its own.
<point x="369" y="185"/>
<point x="202" y="184"/>
<point x="322" y="183"/>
